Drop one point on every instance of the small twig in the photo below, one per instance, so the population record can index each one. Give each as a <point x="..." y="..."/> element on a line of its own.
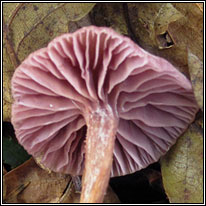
<point x="77" y="183"/>
<point x="129" y="27"/>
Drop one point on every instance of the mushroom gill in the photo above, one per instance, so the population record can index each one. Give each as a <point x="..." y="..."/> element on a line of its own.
<point x="94" y="103"/>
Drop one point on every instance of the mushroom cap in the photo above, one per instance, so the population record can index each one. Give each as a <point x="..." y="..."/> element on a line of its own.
<point x="54" y="86"/>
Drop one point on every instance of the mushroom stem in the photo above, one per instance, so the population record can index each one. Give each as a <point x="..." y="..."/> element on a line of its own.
<point x="101" y="130"/>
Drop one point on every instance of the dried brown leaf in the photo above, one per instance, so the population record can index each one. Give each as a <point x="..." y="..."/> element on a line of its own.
<point x="29" y="183"/>
<point x="168" y="29"/>
<point x="196" y="75"/>
<point x="182" y="168"/>
<point x="45" y="187"/>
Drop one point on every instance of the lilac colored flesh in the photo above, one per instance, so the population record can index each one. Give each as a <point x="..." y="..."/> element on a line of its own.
<point x="52" y="87"/>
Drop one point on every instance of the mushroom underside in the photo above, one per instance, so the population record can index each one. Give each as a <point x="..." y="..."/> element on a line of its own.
<point x="96" y="75"/>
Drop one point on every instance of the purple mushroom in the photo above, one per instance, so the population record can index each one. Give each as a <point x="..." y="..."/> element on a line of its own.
<point x="94" y="103"/>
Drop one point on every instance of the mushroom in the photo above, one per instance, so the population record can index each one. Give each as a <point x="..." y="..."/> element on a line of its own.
<point x="94" y="103"/>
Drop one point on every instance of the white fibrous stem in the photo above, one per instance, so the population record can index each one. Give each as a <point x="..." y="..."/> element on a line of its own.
<point x="100" y="139"/>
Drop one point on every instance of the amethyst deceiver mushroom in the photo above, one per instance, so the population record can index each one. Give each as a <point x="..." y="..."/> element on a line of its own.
<point x="94" y="103"/>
